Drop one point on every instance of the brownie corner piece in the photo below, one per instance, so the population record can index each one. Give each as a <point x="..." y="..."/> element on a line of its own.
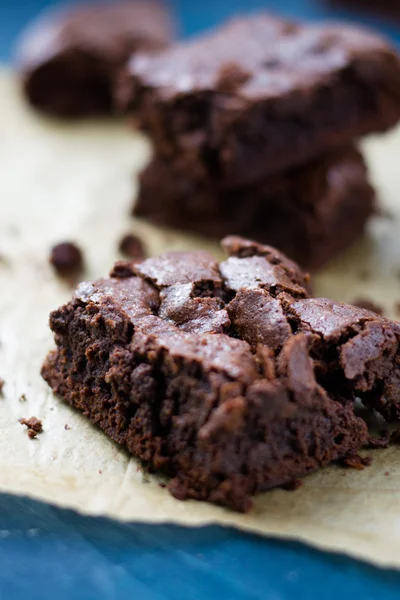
<point x="262" y="94"/>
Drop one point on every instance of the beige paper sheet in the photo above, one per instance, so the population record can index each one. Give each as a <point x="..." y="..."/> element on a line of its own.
<point x="60" y="181"/>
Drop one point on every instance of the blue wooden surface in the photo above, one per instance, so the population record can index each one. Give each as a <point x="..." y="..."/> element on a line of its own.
<point x="52" y="554"/>
<point x="48" y="553"/>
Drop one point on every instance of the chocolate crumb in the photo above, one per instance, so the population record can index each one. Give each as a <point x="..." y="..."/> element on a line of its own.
<point x="368" y="305"/>
<point x="132" y="247"/>
<point x="355" y="461"/>
<point x="34" y="426"/>
<point x="2" y="384"/>
<point x="292" y="485"/>
<point x="162" y="485"/>
<point x="386" y="473"/>
<point x="379" y="442"/>
<point x="66" y="259"/>
<point x="22" y="398"/>
<point x="66" y="426"/>
<point x="100" y="472"/>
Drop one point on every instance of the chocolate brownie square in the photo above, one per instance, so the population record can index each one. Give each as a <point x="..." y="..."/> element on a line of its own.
<point x="69" y="58"/>
<point x="310" y="213"/>
<point x="262" y="94"/>
<point x="382" y="8"/>
<point x="227" y="377"/>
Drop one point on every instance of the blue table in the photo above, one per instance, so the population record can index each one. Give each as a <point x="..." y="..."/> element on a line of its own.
<point x="48" y="553"/>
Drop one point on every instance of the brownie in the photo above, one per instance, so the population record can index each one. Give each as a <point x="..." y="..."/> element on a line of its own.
<point x="228" y="378"/>
<point x="299" y="211"/>
<point x="69" y="58"/>
<point x="383" y="8"/>
<point x="263" y="94"/>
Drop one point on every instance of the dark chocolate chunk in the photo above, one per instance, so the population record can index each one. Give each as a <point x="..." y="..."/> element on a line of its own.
<point x="132" y="247"/>
<point x="66" y="258"/>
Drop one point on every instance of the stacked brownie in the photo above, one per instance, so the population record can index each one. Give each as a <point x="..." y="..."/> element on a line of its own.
<point x="254" y="128"/>
<point x="229" y="378"/>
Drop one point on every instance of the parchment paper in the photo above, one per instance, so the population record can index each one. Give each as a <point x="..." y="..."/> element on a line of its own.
<point x="75" y="181"/>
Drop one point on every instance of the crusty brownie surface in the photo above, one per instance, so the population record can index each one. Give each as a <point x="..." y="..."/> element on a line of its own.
<point x="300" y="211"/>
<point x="263" y="94"/>
<point x="69" y="58"/>
<point x="226" y="377"/>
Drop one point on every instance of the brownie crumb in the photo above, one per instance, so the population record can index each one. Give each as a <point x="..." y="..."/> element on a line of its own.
<point x="386" y="473"/>
<point x="368" y="305"/>
<point x="292" y="485"/>
<point x="162" y="485"/>
<point x="66" y="258"/>
<point x="34" y="426"/>
<point x="22" y="398"/>
<point x="355" y="461"/>
<point x="380" y="442"/>
<point x="66" y="426"/>
<point x="132" y="247"/>
<point x="2" y="384"/>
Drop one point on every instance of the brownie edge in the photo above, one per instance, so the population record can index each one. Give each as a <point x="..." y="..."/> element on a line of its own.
<point x="228" y="378"/>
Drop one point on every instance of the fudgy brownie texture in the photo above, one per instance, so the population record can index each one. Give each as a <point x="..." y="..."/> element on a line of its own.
<point x="262" y="94"/>
<point x="69" y="59"/>
<point x="226" y="377"/>
<point x="300" y="211"/>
